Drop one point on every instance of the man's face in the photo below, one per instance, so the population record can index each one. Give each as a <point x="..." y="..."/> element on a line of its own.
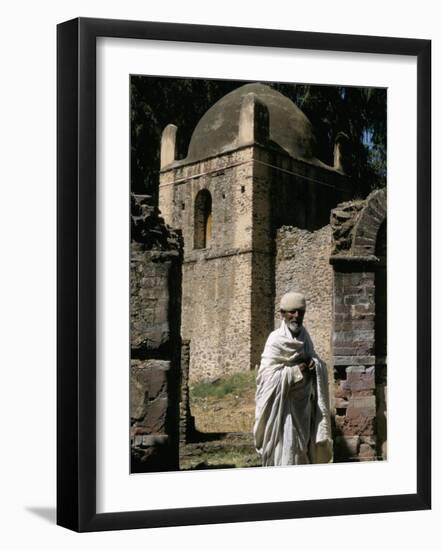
<point x="294" y="319"/>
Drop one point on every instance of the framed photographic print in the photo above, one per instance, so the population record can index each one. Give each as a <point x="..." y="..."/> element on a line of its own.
<point x="243" y="240"/>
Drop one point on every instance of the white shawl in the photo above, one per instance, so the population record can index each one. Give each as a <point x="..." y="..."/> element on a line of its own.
<point x="292" y="420"/>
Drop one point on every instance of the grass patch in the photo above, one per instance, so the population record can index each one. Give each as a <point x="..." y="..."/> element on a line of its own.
<point x="225" y="404"/>
<point x="237" y="384"/>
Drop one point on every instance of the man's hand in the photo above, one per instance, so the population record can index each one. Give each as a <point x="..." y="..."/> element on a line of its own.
<point x="305" y="363"/>
<point x="303" y="367"/>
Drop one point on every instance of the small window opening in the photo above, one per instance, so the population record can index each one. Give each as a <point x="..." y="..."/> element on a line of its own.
<point x="203" y="219"/>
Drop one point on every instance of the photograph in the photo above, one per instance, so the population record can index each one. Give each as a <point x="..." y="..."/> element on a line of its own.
<point x="258" y="274"/>
<point x="225" y="304"/>
<point x="220" y="242"/>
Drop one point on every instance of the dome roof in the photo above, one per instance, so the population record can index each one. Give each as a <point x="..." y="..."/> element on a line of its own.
<point x="217" y="130"/>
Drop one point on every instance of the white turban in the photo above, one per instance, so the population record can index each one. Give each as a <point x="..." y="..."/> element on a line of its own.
<point x="292" y="300"/>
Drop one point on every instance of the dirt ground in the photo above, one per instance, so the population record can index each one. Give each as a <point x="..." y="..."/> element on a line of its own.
<point x="224" y="423"/>
<point x="229" y="450"/>
<point x="230" y="413"/>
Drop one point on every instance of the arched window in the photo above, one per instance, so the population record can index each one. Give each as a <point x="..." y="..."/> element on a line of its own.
<point x="203" y="219"/>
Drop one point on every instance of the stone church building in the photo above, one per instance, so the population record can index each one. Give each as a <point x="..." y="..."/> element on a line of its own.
<point x="250" y="196"/>
<point x="255" y="213"/>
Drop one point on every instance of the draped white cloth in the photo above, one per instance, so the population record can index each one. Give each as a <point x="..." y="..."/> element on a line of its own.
<point x="292" y="420"/>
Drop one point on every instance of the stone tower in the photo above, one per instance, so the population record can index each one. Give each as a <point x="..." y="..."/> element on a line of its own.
<point x="250" y="169"/>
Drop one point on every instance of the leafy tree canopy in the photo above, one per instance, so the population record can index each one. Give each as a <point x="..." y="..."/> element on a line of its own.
<point x="361" y="113"/>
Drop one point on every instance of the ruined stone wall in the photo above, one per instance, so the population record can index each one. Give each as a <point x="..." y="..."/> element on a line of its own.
<point x="187" y="421"/>
<point x="155" y="302"/>
<point x="303" y="264"/>
<point x="359" y="339"/>
<point x="355" y="376"/>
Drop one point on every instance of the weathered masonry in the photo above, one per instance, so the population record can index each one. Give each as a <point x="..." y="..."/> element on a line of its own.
<point x="252" y="201"/>
<point x="360" y="327"/>
<point x="155" y="305"/>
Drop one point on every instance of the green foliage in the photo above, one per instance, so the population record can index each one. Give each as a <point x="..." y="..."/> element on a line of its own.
<point x="361" y="113"/>
<point x="237" y="384"/>
<point x="157" y="102"/>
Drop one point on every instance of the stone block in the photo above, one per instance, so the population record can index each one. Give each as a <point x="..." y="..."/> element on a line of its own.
<point x="355" y="369"/>
<point x="342" y="391"/>
<point x="361" y="393"/>
<point x="346" y="350"/>
<point x="360" y="311"/>
<point x="362" y="407"/>
<point x="365" y="241"/>
<point x="148" y="382"/>
<point x="157" y="377"/>
<point x="343" y="317"/>
<point x="346" y="425"/>
<point x="150" y="440"/>
<point x="362" y="380"/>
<point x="366" y="452"/>
<point x="352" y="337"/>
<point x="156" y="413"/>
<point x="355" y="324"/>
<point x="342" y="360"/>
<point x="341" y="308"/>
<point x="365" y="348"/>
<point x="356" y="300"/>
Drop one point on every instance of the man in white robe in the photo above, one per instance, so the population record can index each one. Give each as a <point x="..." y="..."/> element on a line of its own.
<point x="292" y="420"/>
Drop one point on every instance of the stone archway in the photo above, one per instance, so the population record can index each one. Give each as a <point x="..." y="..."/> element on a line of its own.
<point x="359" y="327"/>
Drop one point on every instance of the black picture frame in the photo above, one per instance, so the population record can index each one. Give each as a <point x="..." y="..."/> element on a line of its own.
<point x="76" y="272"/>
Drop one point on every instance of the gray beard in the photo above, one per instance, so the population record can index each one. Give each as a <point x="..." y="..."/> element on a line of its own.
<point x="295" y="328"/>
